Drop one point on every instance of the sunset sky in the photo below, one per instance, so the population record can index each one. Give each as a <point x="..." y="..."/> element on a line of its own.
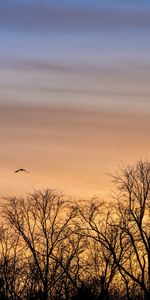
<point x="74" y="92"/>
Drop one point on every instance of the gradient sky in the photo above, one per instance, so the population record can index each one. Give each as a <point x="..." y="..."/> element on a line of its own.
<point x="74" y="92"/>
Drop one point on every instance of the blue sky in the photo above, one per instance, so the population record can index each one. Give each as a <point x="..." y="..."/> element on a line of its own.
<point x="90" y="34"/>
<point x="53" y="44"/>
<point x="90" y="3"/>
<point x="40" y="14"/>
<point x="79" y="25"/>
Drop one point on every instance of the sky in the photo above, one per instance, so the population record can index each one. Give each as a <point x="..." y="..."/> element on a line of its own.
<point x="74" y="93"/>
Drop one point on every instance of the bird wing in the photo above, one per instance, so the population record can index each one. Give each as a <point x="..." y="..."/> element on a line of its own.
<point x="21" y="170"/>
<point x="24" y="170"/>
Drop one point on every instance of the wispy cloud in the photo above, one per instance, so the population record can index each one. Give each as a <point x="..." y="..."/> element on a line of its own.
<point x="77" y="79"/>
<point x="47" y="65"/>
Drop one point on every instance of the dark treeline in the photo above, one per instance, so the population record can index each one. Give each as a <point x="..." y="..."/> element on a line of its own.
<point x="52" y="248"/>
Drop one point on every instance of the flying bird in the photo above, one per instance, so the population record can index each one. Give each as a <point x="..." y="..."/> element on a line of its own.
<point x="21" y="170"/>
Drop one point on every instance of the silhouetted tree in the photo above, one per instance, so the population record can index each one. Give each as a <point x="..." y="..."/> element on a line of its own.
<point x="52" y="248"/>
<point x="121" y="232"/>
<point x="133" y="224"/>
<point x="44" y="221"/>
<point x="96" y="225"/>
<point x="11" y="265"/>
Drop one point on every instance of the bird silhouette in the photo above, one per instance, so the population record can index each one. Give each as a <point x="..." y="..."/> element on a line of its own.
<point x="21" y="170"/>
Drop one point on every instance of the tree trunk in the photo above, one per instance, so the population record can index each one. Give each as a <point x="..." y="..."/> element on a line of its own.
<point x="147" y="295"/>
<point x="148" y="279"/>
<point x="45" y="293"/>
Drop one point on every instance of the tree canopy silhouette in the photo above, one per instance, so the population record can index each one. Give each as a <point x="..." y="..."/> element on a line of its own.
<point x="52" y="247"/>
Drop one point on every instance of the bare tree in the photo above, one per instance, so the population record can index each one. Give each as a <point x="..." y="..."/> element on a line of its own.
<point x="133" y="224"/>
<point x="121" y="232"/>
<point x="45" y="223"/>
<point x="12" y="283"/>
<point x="52" y="248"/>
<point x="96" y="225"/>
